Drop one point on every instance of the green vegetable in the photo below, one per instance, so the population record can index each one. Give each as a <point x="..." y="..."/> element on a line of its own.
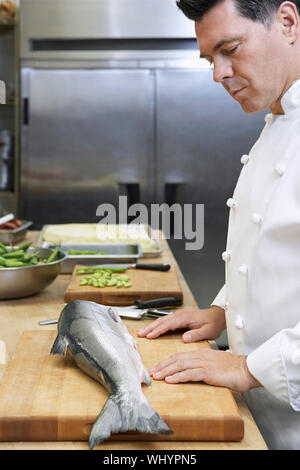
<point x="95" y="269"/>
<point x="17" y="257"/>
<point x="53" y="255"/>
<point x="3" y="248"/>
<point x="2" y="261"/>
<point x="14" y="254"/>
<point x="86" y="252"/>
<point x="25" y="246"/>
<point x="13" y="263"/>
<point x="104" y="277"/>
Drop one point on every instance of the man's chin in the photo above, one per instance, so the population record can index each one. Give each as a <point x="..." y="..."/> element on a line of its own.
<point x="251" y="107"/>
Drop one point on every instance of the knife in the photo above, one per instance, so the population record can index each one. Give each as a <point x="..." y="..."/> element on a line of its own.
<point x="139" y="310"/>
<point x="125" y="312"/>
<point x="149" y="266"/>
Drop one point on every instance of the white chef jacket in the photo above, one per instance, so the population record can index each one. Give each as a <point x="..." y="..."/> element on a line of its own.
<point x="261" y="295"/>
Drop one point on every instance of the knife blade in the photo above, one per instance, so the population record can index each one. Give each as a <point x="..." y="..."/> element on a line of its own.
<point x="146" y="266"/>
<point x="133" y="314"/>
<point x="139" y="309"/>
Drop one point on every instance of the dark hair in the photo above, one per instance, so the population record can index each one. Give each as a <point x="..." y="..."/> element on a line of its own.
<point x="256" y="10"/>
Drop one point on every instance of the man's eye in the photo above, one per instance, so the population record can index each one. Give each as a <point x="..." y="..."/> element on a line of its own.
<point x="232" y="50"/>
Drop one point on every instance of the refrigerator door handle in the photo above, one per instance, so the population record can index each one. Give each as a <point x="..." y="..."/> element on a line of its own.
<point x="171" y="192"/>
<point x="25" y="111"/>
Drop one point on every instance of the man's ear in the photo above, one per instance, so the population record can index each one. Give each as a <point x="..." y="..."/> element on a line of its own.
<point x="288" y="18"/>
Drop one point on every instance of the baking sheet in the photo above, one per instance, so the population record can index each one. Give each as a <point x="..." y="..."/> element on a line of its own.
<point x="145" y="254"/>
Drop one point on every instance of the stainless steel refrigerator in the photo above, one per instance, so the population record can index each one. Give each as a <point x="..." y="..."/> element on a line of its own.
<point x="115" y="101"/>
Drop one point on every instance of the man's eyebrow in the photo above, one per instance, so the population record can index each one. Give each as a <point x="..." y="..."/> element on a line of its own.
<point x="219" y="45"/>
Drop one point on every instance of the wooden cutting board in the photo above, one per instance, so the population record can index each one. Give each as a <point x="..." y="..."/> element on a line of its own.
<point x="145" y="285"/>
<point x="48" y="398"/>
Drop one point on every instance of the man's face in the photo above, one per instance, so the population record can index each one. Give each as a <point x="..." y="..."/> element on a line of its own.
<point x="249" y="58"/>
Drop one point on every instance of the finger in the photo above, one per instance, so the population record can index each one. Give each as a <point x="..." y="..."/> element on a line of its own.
<point x="176" y="367"/>
<point x="185" y="356"/>
<point x="199" y="334"/>
<point x="147" y="329"/>
<point x="163" y="364"/>
<point x="190" y="375"/>
<point x="161" y="326"/>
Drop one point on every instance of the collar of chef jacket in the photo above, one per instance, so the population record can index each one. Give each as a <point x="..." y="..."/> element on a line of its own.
<point x="291" y="99"/>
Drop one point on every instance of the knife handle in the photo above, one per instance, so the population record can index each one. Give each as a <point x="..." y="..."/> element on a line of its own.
<point x="153" y="267"/>
<point x="156" y="303"/>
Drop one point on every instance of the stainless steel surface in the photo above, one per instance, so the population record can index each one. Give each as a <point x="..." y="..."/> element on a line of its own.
<point x="116" y="253"/>
<point x="88" y="144"/>
<point x="15" y="235"/>
<point x="6" y="160"/>
<point x="103" y="19"/>
<point x="2" y="92"/>
<point x="145" y="254"/>
<point x="28" y="280"/>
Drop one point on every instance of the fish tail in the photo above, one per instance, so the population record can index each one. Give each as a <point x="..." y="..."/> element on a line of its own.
<point x="107" y="423"/>
<point x="59" y="346"/>
<point x="118" y="416"/>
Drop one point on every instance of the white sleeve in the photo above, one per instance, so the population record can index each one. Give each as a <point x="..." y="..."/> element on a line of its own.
<point x="276" y="365"/>
<point x="220" y="300"/>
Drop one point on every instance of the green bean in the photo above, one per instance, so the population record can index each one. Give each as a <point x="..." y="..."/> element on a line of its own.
<point x="105" y="279"/>
<point x="25" y="246"/>
<point x="95" y="269"/>
<point x="2" y="261"/>
<point x="13" y="263"/>
<point x="86" y="252"/>
<point x="3" y="248"/>
<point x="14" y="254"/>
<point x="53" y="255"/>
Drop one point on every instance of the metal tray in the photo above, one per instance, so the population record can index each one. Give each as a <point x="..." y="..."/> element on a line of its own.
<point x="17" y="234"/>
<point x="118" y="253"/>
<point x="145" y="254"/>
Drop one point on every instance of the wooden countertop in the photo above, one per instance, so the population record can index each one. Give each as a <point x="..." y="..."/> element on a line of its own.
<point x="19" y="315"/>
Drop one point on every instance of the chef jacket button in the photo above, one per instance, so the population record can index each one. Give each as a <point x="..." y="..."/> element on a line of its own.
<point x="256" y="218"/>
<point x="231" y="203"/>
<point x="226" y="255"/>
<point x="280" y="169"/>
<point x="245" y="159"/>
<point x="243" y="269"/>
<point x="268" y="118"/>
<point x="239" y="322"/>
<point x="296" y="357"/>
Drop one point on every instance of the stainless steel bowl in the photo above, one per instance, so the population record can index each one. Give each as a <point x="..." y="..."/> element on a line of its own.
<point x="29" y="280"/>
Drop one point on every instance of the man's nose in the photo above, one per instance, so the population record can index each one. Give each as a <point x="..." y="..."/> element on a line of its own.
<point x="222" y="70"/>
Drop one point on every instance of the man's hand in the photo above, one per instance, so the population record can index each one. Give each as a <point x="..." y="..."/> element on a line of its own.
<point x="203" y="324"/>
<point x="213" y="367"/>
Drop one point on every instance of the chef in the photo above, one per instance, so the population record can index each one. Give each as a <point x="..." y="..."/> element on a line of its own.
<point x="254" y="48"/>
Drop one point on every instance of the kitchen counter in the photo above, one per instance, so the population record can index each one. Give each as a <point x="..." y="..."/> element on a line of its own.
<point x="19" y="315"/>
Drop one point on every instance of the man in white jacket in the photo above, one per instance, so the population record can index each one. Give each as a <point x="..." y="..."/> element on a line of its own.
<point x="255" y="50"/>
